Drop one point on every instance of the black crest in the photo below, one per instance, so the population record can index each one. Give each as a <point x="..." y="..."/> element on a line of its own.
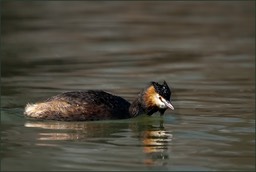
<point x="162" y="89"/>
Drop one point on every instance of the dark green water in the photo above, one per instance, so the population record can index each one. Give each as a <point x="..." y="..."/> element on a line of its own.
<point x="204" y="50"/>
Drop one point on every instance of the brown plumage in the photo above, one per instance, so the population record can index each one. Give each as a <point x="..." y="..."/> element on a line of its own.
<point x="100" y="105"/>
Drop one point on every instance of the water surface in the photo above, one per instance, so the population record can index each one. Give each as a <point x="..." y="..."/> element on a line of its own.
<point x="204" y="51"/>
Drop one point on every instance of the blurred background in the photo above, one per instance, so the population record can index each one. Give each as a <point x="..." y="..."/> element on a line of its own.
<point x="204" y="50"/>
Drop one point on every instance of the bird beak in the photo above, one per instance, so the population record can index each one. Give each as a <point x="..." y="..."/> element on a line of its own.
<point x="168" y="104"/>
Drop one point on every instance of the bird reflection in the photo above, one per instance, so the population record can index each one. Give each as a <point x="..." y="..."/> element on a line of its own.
<point x="152" y="135"/>
<point x="155" y="145"/>
<point x="72" y="130"/>
<point x="61" y="131"/>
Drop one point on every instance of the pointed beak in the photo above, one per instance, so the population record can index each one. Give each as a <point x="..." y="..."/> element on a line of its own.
<point x="168" y="104"/>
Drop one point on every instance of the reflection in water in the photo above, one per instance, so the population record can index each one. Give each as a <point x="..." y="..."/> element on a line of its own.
<point x="154" y="139"/>
<point x="56" y="135"/>
<point x="155" y="145"/>
<point x="71" y="130"/>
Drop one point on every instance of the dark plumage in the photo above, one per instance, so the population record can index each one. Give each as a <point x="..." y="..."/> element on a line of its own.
<point x="100" y="105"/>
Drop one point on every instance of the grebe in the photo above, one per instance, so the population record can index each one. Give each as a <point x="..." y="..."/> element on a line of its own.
<point x="99" y="105"/>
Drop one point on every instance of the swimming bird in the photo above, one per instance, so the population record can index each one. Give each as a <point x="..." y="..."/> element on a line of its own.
<point x="91" y="105"/>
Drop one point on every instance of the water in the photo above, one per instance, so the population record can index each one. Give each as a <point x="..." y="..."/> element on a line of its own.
<point x="204" y="50"/>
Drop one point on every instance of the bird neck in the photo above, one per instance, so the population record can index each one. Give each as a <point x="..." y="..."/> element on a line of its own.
<point x="136" y="108"/>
